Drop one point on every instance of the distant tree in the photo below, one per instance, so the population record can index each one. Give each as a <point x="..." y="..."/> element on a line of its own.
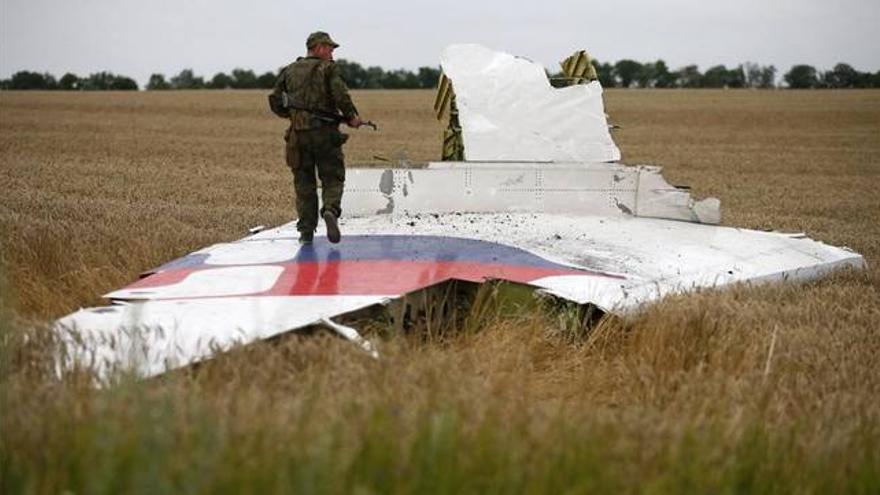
<point x="736" y="78"/>
<point x="68" y="82"/>
<point x="51" y="82"/>
<point x="243" y="79"/>
<point x="220" y="81"/>
<point x="714" y="77"/>
<point x="758" y="76"/>
<point x="720" y="76"/>
<point x="801" y="77"/>
<point x="688" y="77"/>
<point x="606" y="73"/>
<point x="32" y="80"/>
<point x="5" y="84"/>
<point x="98" y="81"/>
<point x="864" y="80"/>
<point x="124" y="84"/>
<point x="157" y="82"/>
<point x="266" y="80"/>
<point x="662" y="77"/>
<point x="752" y="73"/>
<point x="392" y="80"/>
<point x="626" y="71"/>
<point x="352" y="73"/>
<point x="400" y="79"/>
<point x="375" y="77"/>
<point x="428" y="77"/>
<point x="647" y="75"/>
<point x="842" y="76"/>
<point x="103" y="81"/>
<point x="768" y="77"/>
<point x="187" y="80"/>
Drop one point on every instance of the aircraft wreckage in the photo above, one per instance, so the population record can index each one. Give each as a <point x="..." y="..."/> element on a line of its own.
<point x="540" y="201"/>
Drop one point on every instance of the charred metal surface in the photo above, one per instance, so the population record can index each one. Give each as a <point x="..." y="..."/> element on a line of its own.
<point x="386" y="182"/>
<point x="386" y="188"/>
<point x="622" y="207"/>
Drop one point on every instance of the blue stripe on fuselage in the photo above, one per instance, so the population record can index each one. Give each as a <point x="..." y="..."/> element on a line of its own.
<point x="397" y="247"/>
<point x="420" y="248"/>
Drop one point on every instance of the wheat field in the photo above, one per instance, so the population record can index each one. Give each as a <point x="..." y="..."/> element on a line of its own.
<point x="749" y="390"/>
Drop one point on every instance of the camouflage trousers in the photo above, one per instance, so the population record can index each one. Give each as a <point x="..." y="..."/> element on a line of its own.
<point x="311" y="155"/>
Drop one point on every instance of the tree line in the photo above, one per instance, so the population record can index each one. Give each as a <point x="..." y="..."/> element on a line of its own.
<point x="629" y="73"/>
<point x="98" y="81"/>
<point x="621" y="74"/>
<point x="355" y="75"/>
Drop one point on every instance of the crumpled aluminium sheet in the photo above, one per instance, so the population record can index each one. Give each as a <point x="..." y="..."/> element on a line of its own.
<point x="239" y="292"/>
<point x="509" y="112"/>
<point x="580" y="188"/>
<point x="588" y="232"/>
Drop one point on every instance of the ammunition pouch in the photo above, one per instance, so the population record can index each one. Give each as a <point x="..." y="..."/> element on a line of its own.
<point x="316" y="122"/>
<point x="278" y="105"/>
<point x="338" y="138"/>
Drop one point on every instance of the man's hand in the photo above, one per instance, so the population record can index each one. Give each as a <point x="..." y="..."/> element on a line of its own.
<point x="357" y="122"/>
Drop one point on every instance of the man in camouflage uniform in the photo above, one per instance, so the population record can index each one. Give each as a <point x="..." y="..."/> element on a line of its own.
<point x="319" y="102"/>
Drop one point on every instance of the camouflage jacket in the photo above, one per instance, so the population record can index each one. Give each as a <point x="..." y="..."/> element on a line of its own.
<point x="314" y="84"/>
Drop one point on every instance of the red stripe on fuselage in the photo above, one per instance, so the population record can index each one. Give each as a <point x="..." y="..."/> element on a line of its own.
<point x="374" y="277"/>
<point x="395" y="277"/>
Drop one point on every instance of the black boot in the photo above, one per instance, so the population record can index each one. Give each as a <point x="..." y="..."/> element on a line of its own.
<point x="306" y="237"/>
<point x="333" y="234"/>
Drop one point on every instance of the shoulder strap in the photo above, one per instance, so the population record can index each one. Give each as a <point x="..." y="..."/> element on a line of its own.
<point x="315" y="72"/>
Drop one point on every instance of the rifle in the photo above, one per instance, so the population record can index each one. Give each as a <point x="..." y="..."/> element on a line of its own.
<point x="287" y="104"/>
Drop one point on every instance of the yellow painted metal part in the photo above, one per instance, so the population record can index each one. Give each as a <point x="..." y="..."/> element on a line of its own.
<point x="443" y="97"/>
<point x="578" y="68"/>
<point x="444" y="104"/>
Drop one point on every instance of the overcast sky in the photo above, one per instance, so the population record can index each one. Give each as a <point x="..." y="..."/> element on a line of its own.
<point x="139" y="37"/>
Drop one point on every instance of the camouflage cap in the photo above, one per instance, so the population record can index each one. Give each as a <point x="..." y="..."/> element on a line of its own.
<point x="320" y="38"/>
